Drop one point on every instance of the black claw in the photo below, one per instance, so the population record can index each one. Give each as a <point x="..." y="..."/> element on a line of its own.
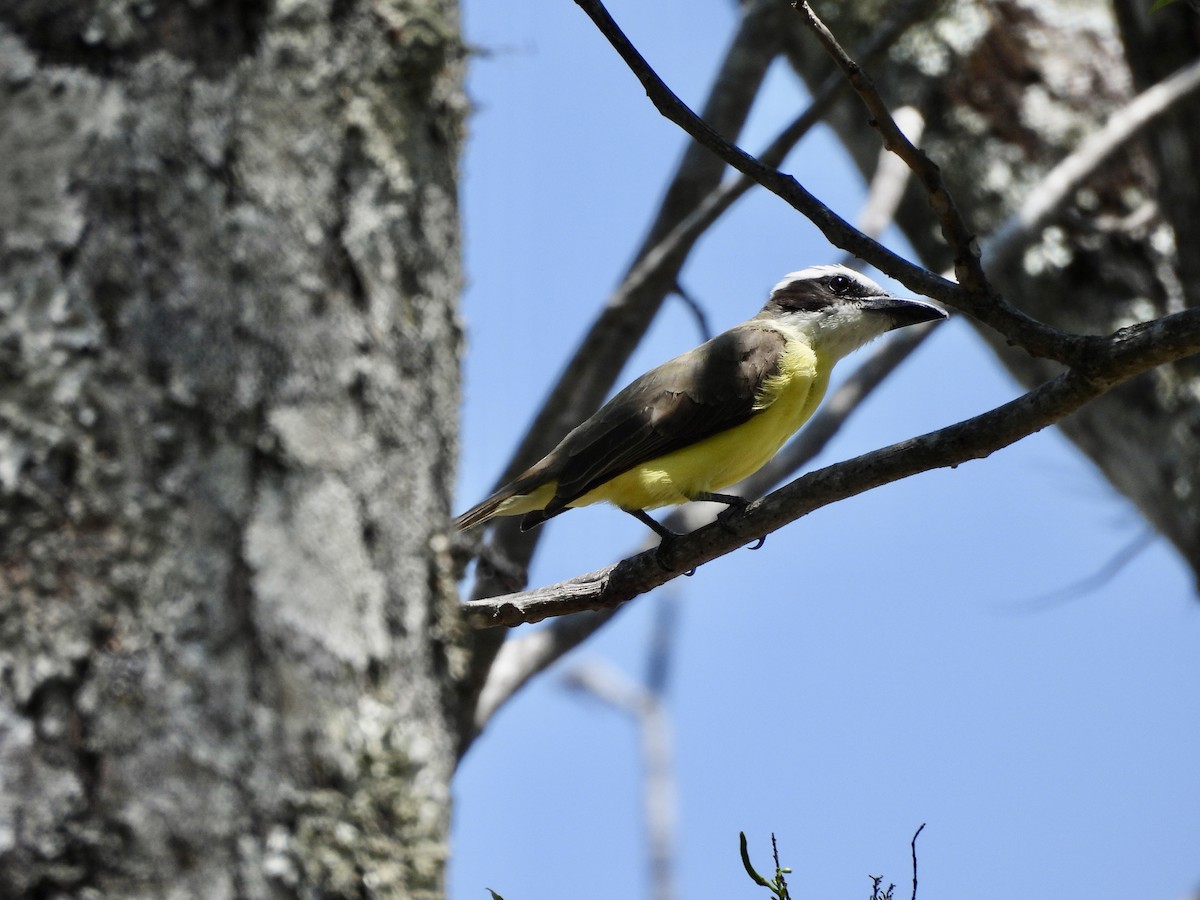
<point x="735" y="503"/>
<point x="665" y="546"/>
<point x="667" y="538"/>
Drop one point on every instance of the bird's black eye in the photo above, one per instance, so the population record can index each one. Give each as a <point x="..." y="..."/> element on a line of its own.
<point x="839" y="284"/>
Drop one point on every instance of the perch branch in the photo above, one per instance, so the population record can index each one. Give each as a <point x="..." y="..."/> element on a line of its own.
<point x="1124" y="354"/>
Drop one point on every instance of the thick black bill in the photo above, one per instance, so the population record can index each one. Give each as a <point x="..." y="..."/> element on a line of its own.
<point x="904" y="312"/>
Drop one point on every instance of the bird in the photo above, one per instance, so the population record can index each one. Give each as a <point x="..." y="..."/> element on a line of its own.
<point x="713" y="415"/>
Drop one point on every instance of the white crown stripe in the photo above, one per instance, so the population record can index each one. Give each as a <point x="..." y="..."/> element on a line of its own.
<point x="813" y="273"/>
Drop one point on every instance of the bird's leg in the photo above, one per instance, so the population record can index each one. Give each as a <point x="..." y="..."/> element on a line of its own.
<point x="665" y="534"/>
<point x="733" y="501"/>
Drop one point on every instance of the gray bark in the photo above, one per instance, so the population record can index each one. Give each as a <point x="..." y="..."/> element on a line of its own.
<point x="229" y="262"/>
<point x="1009" y="87"/>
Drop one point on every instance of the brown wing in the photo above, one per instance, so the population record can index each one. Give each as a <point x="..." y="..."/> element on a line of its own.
<point x="694" y="396"/>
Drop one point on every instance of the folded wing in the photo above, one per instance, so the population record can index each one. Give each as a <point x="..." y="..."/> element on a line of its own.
<point x="694" y="396"/>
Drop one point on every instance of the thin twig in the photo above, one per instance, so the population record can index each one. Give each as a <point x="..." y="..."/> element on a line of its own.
<point x="1126" y="554"/>
<point x="697" y="310"/>
<point x="913" y="844"/>
<point x="954" y="228"/>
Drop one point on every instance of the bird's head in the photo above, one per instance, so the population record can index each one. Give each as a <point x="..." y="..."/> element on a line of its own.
<point x="838" y="310"/>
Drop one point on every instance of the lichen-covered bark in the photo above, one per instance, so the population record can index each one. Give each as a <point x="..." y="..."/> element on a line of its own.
<point x="1008" y="88"/>
<point x="229" y="262"/>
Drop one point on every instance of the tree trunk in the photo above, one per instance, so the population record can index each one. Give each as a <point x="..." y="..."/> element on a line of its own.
<point x="1008" y="88"/>
<point x="229" y="262"/>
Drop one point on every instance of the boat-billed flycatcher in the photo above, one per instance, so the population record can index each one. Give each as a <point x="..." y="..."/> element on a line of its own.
<point x="714" y="415"/>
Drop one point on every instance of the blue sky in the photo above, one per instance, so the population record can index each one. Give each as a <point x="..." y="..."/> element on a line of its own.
<point x="879" y="664"/>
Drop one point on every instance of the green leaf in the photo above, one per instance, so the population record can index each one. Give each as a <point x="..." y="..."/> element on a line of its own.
<point x="1159" y="4"/>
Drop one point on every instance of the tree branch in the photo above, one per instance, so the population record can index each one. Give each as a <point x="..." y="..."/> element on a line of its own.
<point x="1124" y="354"/>
<point x="1035" y="337"/>
<point x="954" y="228"/>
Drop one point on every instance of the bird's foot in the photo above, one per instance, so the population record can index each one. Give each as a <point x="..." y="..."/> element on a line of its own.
<point x="666" y="542"/>
<point x="735" y="504"/>
<point x="666" y="550"/>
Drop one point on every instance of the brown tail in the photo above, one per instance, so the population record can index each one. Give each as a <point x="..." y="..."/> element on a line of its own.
<point x="482" y="512"/>
<point x="529" y="480"/>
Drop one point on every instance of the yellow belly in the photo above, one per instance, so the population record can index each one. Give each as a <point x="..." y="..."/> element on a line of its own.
<point x="786" y="402"/>
<point x="725" y="458"/>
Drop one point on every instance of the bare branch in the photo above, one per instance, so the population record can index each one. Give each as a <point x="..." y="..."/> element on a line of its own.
<point x="890" y="179"/>
<point x="1035" y="337"/>
<point x="954" y="227"/>
<point x="913" y="845"/>
<point x="1125" y="354"/>
<point x="696" y="308"/>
